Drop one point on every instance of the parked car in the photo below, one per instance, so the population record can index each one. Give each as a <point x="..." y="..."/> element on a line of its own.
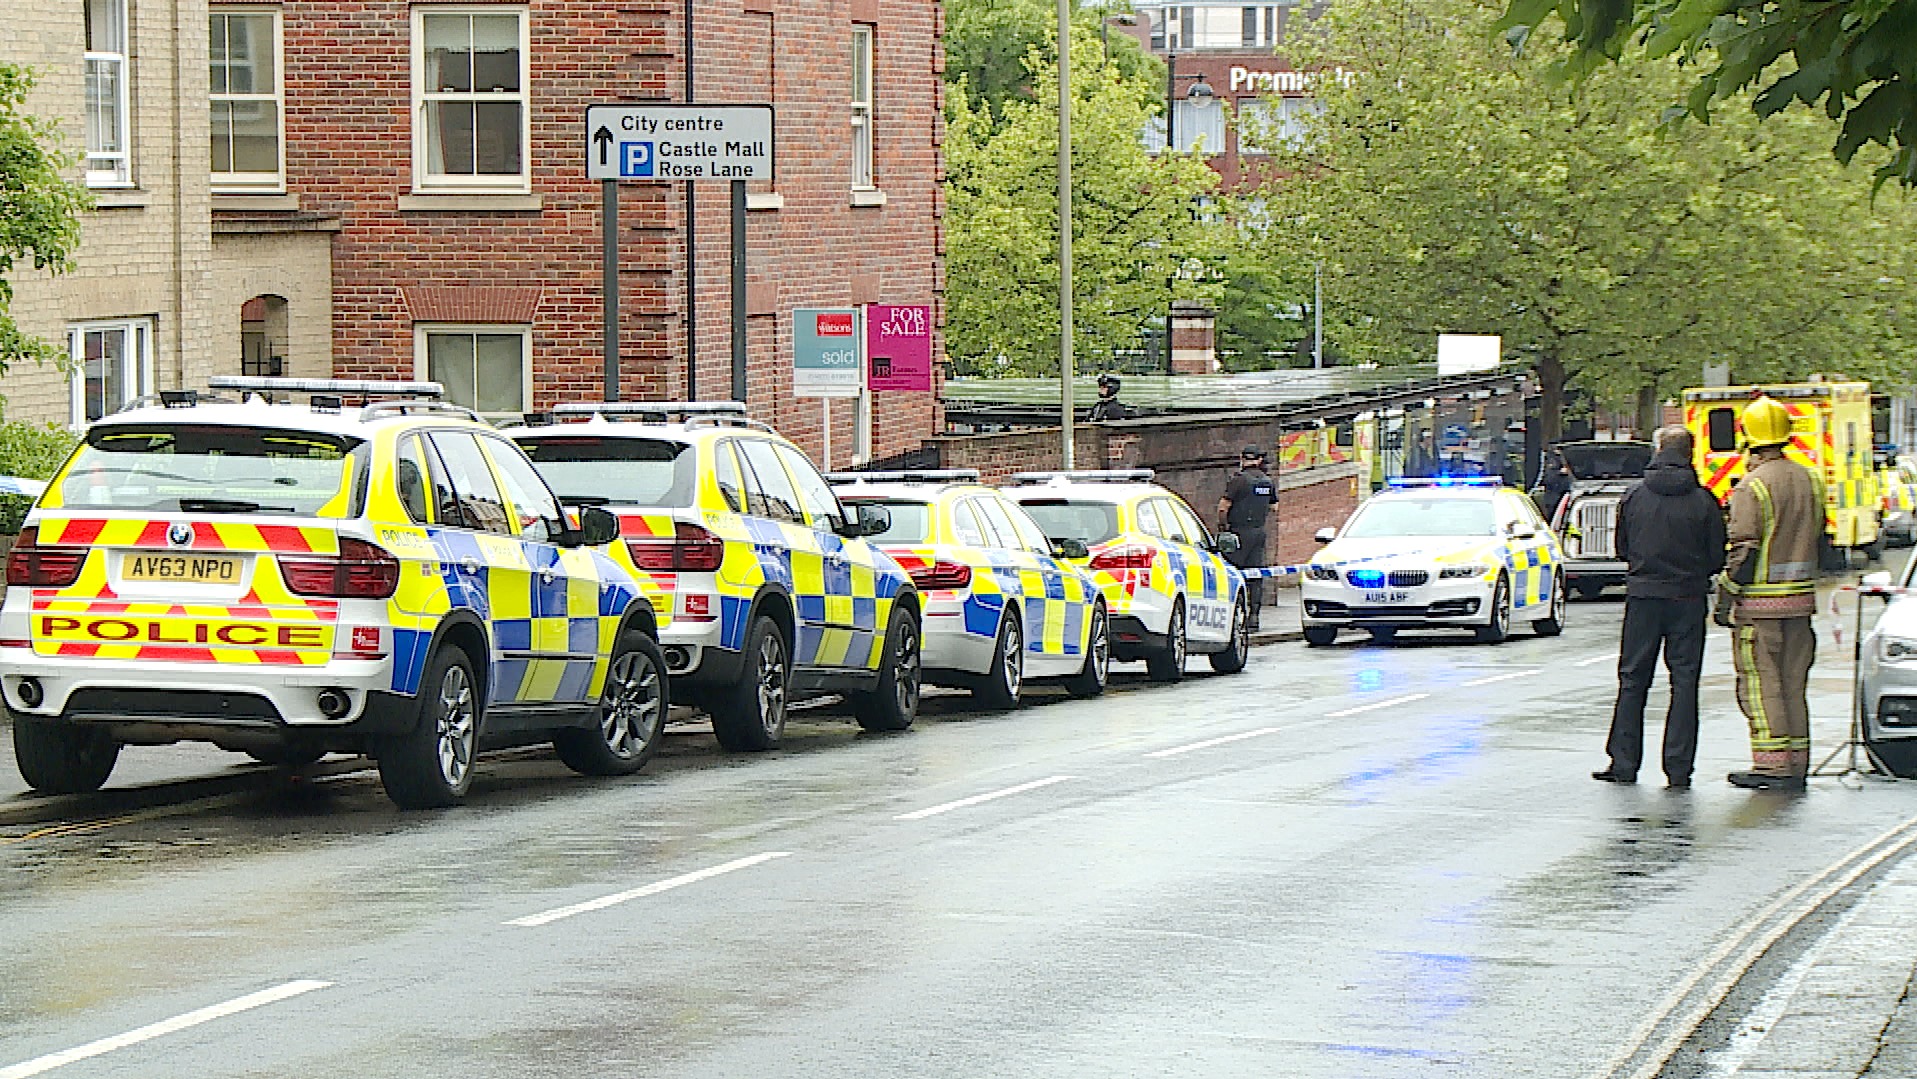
<point x="289" y="579"/>
<point x="1887" y="672"/>
<point x="1003" y="603"/>
<point x="1585" y="519"/>
<point x="769" y="590"/>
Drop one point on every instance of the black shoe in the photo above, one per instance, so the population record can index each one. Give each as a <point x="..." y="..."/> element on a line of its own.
<point x="1678" y="784"/>
<point x="1611" y="775"/>
<point x="1758" y="781"/>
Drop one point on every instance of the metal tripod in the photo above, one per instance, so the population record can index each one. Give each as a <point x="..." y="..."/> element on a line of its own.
<point x="1854" y="746"/>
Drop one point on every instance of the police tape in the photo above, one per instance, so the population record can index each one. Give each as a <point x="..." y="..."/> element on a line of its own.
<point x="1266" y="572"/>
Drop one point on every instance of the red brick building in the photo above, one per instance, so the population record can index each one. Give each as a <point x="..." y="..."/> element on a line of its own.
<point x="442" y="146"/>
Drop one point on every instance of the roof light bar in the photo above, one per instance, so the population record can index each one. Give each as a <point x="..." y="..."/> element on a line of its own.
<point x="1445" y="481"/>
<point x="928" y="475"/>
<point x="650" y="408"/>
<point x="1094" y="475"/>
<point x="343" y="387"/>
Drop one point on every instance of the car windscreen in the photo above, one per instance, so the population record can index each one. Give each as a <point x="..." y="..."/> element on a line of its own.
<point x="1384" y="517"/>
<point x="209" y="468"/>
<point x="623" y="471"/>
<point x="1087" y="522"/>
<point x="911" y="521"/>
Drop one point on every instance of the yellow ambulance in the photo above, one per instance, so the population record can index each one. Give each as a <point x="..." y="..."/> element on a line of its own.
<point x="1830" y="435"/>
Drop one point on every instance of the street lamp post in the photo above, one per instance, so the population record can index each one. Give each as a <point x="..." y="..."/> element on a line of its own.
<point x="1065" y="228"/>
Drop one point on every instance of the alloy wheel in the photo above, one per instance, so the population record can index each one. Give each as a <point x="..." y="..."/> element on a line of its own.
<point x="631" y="716"/>
<point x="905" y="669"/>
<point x="1101" y="646"/>
<point x="457" y="730"/>
<point x="1014" y="659"/>
<point x="772" y="682"/>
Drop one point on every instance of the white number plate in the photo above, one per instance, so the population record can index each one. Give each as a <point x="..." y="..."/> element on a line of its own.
<point x="1387" y="597"/>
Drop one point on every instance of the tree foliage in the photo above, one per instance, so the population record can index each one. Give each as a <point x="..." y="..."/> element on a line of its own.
<point x="1140" y="237"/>
<point x="32" y="451"/>
<point x="1857" y="58"/>
<point x="39" y="209"/>
<point x="988" y="43"/>
<point x="1448" y="189"/>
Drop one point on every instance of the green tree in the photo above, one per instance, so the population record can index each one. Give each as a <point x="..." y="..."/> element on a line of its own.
<point x="1449" y="190"/>
<point x="1142" y="233"/>
<point x="1855" y="58"/>
<point x="39" y="209"/>
<point x="988" y="42"/>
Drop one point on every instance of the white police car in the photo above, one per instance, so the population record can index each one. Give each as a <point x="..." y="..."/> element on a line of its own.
<point x="1425" y="554"/>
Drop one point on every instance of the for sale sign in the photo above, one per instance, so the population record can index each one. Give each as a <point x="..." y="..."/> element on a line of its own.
<point x="898" y="341"/>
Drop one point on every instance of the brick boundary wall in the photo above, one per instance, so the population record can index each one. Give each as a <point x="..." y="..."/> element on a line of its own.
<point x="1193" y="457"/>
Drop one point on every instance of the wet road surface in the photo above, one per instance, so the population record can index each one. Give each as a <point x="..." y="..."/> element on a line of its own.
<point x="1355" y="861"/>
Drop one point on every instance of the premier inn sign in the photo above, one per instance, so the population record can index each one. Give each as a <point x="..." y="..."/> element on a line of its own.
<point x="1244" y="80"/>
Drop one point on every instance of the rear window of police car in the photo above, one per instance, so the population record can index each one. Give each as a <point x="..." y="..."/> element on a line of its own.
<point x="1086" y="522"/>
<point x="623" y="471"/>
<point x="911" y="522"/>
<point x="217" y="469"/>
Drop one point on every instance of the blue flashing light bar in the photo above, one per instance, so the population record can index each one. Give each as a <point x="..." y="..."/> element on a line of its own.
<point x="1367" y="578"/>
<point x="1445" y="481"/>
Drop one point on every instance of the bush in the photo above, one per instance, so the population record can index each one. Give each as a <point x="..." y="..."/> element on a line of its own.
<point x="31" y="451"/>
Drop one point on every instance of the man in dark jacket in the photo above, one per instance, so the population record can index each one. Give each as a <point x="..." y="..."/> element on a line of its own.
<point x="1670" y="532"/>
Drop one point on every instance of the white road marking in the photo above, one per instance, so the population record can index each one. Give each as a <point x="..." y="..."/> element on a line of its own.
<point x="546" y="917"/>
<point x="1375" y="705"/>
<point x="1210" y="742"/>
<point x="1605" y="658"/>
<point x="933" y="811"/>
<point x="1498" y="678"/>
<point x="1730" y="1060"/>
<point x="160" y="1029"/>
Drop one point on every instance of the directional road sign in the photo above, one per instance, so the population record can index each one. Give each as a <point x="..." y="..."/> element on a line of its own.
<point x="679" y="142"/>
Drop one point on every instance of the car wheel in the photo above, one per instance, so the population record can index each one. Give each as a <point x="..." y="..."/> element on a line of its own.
<point x="1234" y="657"/>
<point x="1168" y="663"/>
<point x="632" y="714"/>
<point x="1553" y="624"/>
<point x="1320" y="636"/>
<point x="431" y="766"/>
<point x="749" y="717"/>
<point x="1004" y="682"/>
<point x="1383" y="634"/>
<point x="1498" y="623"/>
<point x="895" y="703"/>
<point x="1097" y="669"/>
<point x="62" y="758"/>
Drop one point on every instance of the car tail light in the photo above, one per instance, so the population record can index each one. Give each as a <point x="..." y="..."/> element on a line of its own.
<point x="43" y="567"/>
<point x="361" y="571"/>
<point x="1127" y="557"/>
<point x="941" y="575"/>
<point x="690" y="549"/>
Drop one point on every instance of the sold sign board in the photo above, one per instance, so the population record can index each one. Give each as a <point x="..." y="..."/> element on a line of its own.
<point x="826" y="358"/>
<point x="679" y="142"/>
<point x="899" y="342"/>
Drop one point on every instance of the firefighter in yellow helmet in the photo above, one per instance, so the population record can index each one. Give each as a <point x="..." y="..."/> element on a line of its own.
<point x="1770" y="575"/>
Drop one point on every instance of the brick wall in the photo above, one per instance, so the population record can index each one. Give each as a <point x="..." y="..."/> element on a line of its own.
<point x="1194" y="457"/>
<point x="350" y="130"/>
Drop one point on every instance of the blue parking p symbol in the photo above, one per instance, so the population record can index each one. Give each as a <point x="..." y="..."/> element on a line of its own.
<point x="635" y="159"/>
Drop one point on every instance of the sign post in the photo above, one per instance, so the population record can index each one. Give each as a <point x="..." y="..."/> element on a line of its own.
<point x="648" y="143"/>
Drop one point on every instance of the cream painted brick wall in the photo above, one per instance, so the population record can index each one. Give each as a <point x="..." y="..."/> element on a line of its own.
<point x="153" y="259"/>
<point x="297" y="267"/>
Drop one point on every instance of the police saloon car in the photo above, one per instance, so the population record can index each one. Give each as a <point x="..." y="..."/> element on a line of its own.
<point x="1426" y="554"/>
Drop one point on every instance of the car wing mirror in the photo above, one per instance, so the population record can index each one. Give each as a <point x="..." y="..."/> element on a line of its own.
<point x="867" y="520"/>
<point x="1326" y="534"/>
<point x="1070" y="548"/>
<point x="1228" y="543"/>
<point x="598" y="526"/>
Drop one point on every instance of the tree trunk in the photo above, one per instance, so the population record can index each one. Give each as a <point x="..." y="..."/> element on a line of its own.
<point x="1551" y="379"/>
<point x="1650" y="411"/>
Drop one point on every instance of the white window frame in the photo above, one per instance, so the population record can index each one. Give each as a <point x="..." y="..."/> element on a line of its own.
<point x="424" y="180"/>
<point x="136" y="373"/>
<point x="257" y="182"/>
<point x="424" y="330"/>
<point x="118" y="170"/>
<point x="864" y="147"/>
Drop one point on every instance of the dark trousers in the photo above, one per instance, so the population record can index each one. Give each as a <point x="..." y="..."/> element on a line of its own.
<point x="1251" y="555"/>
<point x="1675" y="626"/>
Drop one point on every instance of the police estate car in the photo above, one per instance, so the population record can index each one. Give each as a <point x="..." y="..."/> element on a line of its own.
<point x="1461" y="552"/>
<point x="1002" y="603"/>
<point x="766" y="587"/>
<point x="371" y="571"/>
<point x="1166" y="583"/>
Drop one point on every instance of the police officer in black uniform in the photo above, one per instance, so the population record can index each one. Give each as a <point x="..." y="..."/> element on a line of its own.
<point x="1109" y="407"/>
<point x="1249" y="496"/>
